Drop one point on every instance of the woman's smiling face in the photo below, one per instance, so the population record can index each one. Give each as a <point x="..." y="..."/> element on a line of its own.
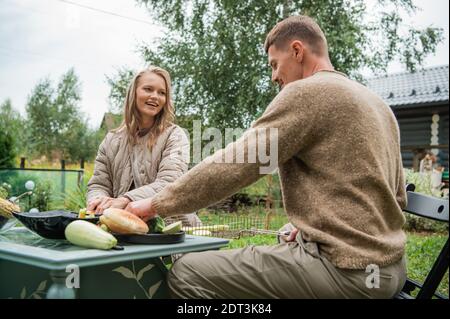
<point x="150" y="96"/>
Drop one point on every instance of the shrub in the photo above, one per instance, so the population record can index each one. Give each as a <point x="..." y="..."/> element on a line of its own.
<point x="6" y="150"/>
<point x="73" y="200"/>
<point x="14" y="185"/>
<point x="42" y="196"/>
<point x="16" y="181"/>
<point x="423" y="185"/>
<point x="3" y="192"/>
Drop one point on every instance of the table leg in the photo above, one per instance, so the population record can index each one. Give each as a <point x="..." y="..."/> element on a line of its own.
<point x="59" y="289"/>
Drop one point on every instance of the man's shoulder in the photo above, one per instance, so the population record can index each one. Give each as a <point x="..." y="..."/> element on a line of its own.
<point x="318" y="82"/>
<point x="332" y="83"/>
<point x="330" y="79"/>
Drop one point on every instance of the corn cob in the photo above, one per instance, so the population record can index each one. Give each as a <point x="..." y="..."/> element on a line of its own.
<point x="6" y="208"/>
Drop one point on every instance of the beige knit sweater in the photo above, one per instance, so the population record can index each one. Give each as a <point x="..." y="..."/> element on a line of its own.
<point x="340" y="170"/>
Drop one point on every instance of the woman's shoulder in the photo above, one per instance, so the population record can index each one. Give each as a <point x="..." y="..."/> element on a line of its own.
<point x="177" y="132"/>
<point x="177" y="129"/>
<point x="172" y="135"/>
<point x="115" y="137"/>
<point x="117" y="133"/>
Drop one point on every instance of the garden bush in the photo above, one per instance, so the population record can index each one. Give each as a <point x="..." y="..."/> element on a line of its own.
<point x="42" y="196"/>
<point x="73" y="200"/>
<point x="3" y="192"/>
<point x="423" y="185"/>
<point x="13" y="185"/>
<point x="6" y="150"/>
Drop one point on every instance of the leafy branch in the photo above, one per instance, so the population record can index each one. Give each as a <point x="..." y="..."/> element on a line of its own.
<point x="131" y="274"/>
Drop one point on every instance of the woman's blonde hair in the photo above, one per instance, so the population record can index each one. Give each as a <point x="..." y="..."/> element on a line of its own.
<point x="132" y="117"/>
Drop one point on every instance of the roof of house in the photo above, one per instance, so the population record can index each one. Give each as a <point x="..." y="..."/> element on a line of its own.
<point x="406" y="89"/>
<point x="111" y="121"/>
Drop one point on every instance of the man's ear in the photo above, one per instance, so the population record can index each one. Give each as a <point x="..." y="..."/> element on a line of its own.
<point x="298" y="50"/>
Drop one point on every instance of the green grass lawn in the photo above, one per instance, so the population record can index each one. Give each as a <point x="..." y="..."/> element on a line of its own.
<point x="422" y="250"/>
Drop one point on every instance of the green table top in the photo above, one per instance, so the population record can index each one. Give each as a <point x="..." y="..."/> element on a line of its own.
<point x="23" y="246"/>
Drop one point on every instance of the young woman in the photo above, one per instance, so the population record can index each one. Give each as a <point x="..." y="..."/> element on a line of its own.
<point x="146" y="152"/>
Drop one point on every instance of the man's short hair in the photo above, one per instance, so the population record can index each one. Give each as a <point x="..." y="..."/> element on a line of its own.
<point x="301" y="28"/>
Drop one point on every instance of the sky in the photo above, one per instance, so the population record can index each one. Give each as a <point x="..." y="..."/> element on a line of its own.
<point x="45" y="38"/>
<point x="40" y="38"/>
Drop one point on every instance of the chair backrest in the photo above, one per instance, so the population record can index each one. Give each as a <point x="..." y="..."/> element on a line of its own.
<point x="427" y="206"/>
<point x="436" y="209"/>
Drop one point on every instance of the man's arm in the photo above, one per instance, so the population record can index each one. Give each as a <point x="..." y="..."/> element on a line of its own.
<point x="210" y="181"/>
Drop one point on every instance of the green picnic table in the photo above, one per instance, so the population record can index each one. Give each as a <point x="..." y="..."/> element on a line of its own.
<point x="34" y="267"/>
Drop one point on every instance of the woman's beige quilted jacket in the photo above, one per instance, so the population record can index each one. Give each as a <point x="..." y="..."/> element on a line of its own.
<point x="118" y="164"/>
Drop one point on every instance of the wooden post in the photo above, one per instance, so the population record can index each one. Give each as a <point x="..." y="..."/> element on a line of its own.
<point x="80" y="178"/>
<point x="269" y="202"/>
<point x="80" y="174"/>
<point x="63" y="176"/>
<point x="22" y="163"/>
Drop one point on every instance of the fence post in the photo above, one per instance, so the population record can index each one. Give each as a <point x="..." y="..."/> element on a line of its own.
<point x="80" y="178"/>
<point x="81" y="173"/>
<point x="269" y="202"/>
<point x="63" y="176"/>
<point x="22" y="163"/>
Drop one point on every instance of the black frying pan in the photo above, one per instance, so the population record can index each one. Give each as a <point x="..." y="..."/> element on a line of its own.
<point x="151" y="238"/>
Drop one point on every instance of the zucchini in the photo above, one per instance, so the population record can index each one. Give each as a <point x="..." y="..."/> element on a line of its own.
<point x="85" y="234"/>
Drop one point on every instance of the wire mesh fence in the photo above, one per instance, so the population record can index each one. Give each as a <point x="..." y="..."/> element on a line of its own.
<point x="231" y="226"/>
<point x="61" y="181"/>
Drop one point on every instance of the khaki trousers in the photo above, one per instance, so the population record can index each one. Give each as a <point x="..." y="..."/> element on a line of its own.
<point x="287" y="270"/>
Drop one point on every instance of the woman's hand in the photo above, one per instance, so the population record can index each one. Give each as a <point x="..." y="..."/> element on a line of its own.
<point x="94" y="204"/>
<point x="99" y="204"/>
<point x="142" y="208"/>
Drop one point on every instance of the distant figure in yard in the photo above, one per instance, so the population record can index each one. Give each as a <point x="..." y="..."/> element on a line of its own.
<point x="347" y="240"/>
<point x="427" y="163"/>
<point x="146" y="153"/>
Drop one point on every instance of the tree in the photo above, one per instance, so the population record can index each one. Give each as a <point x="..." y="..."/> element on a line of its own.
<point x="12" y="124"/>
<point x="40" y="122"/>
<point x="82" y="142"/>
<point x="214" y="48"/>
<point x="6" y="150"/>
<point x="55" y="123"/>
<point x="119" y="85"/>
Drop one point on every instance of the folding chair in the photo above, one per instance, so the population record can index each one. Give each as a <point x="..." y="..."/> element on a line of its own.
<point x="437" y="209"/>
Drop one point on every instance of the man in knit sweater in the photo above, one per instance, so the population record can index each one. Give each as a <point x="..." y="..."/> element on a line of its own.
<point x="342" y="184"/>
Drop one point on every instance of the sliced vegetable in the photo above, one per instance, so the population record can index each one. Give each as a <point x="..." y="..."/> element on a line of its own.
<point x="172" y="228"/>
